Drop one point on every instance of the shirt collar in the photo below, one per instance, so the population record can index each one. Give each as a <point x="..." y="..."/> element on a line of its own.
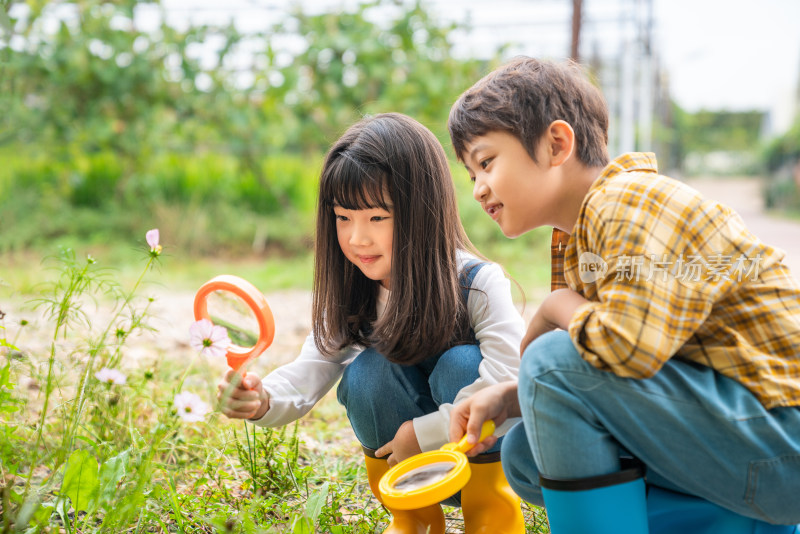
<point x="632" y="161"/>
<point x="629" y="162"/>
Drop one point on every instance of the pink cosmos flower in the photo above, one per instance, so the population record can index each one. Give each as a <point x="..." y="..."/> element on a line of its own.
<point x="209" y="339"/>
<point x="190" y="407"/>
<point x="110" y="377"/>
<point x="153" y="237"/>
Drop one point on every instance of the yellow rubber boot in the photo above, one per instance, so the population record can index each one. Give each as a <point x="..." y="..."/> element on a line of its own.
<point x="429" y="520"/>
<point x="488" y="503"/>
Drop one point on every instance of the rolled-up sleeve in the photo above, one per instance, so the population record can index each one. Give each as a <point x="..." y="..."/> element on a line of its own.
<point x="659" y="285"/>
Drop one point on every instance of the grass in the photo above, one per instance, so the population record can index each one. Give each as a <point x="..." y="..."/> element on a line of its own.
<point x="81" y="455"/>
<point x="525" y="260"/>
<point x="23" y="272"/>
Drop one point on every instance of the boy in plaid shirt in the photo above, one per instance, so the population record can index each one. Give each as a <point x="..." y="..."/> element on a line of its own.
<point x="672" y="336"/>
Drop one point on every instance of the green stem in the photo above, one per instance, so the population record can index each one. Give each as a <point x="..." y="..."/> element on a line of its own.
<point x="75" y="286"/>
<point x="251" y="454"/>
<point x="68" y="441"/>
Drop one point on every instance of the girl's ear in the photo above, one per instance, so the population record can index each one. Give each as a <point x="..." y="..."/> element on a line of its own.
<point x="561" y="139"/>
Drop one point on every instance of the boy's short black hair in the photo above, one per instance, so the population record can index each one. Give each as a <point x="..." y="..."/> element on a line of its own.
<point x="523" y="97"/>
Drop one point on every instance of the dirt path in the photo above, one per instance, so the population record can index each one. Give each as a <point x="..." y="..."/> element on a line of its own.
<point x="744" y="195"/>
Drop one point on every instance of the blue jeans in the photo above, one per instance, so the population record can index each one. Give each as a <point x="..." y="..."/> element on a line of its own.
<point x="697" y="431"/>
<point x="380" y="395"/>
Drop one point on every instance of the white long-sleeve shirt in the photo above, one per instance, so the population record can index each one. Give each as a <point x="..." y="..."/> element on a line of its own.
<point x="296" y="387"/>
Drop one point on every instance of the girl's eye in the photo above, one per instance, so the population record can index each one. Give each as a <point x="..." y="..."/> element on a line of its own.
<point x="378" y="218"/>
<point x="340" y="217"/>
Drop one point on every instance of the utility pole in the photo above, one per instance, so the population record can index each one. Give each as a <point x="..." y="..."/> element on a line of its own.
<point x="645" y="39"/>
<point x="577" y="13"/>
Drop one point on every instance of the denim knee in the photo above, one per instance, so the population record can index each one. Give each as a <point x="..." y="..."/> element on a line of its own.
<point x="519" y="465"/>
<point x="549" y="352"/>
<point x="456" y="368"/>
<point x="358" y="380"/>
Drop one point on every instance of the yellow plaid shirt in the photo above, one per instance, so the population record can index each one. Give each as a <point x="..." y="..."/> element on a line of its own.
<point x="671" y="274"/>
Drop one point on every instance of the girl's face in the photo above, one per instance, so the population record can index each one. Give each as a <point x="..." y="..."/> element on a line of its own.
<point x="365" y="237"/>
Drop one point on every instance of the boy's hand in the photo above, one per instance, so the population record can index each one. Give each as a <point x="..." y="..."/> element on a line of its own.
<point x="497" y="402"/>
<point x="242" y="397"/>
<point x="556" y="311"/>
<point x="404" y="445"/>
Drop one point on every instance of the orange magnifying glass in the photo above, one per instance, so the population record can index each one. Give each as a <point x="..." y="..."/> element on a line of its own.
<point x="430" y="477"/>
<point x="233" y="302"/>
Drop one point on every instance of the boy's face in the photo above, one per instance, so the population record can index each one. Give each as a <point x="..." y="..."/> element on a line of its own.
<point x="513" y="190"/>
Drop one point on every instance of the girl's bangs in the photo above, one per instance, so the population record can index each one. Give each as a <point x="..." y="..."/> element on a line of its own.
<point x="355" y="186"/>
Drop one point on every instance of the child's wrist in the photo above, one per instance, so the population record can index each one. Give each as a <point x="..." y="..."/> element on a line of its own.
<point x="262" y="409"/>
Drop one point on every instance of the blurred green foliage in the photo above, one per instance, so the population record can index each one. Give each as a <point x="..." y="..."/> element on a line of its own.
<point x="706" y="130"/>
<point x="782" y="159"/>
<point x="113" y="121"/>
<point x="108" y="129"/>
<point x="709" y="142"/>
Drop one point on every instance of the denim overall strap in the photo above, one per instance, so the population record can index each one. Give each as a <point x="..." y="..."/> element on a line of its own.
<point x="467" y="276"/>
<point x="465" y="279"/>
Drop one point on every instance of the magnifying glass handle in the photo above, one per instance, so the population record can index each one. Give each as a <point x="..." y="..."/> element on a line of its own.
<point x="487" y="429"/>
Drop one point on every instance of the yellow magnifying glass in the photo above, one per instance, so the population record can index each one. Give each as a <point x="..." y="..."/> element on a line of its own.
<point x="429" y="477"/>
<point x="233" y="302"/>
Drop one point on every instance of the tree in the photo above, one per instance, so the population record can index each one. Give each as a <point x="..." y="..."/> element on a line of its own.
<point x="353" y="66"/>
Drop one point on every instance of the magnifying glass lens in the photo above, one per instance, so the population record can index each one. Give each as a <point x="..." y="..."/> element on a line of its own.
<point x="228" y="310"/>
<point x="424" y="476"/>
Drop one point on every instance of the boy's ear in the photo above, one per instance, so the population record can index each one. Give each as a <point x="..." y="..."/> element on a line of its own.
<point x="561" y="139"/>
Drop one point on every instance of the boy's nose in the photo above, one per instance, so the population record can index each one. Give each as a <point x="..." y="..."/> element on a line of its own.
<point x="479" y="190"/>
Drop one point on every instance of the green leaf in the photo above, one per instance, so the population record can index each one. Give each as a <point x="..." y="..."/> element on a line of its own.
<point x="316" y="502"/>
<point x="5" y="375"/>
<point x="111" y="472"/>
<point x="302" y="525"/>
<point x="80" y="480"/>
<point x="4" y="343"/>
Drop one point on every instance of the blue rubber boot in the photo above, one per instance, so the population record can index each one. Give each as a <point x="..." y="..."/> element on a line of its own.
<point x="670" y="512"/>
<point x="605" y="504"/>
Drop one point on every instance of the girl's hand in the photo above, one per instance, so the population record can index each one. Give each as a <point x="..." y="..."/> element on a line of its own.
<point x="497" y="402"/>
<point x="242" y="397"/>
<point x="404" y="445"/>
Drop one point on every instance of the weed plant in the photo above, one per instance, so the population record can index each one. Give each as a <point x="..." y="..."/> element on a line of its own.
<point x="92" y="443"/>
<point x="92" y="440"/>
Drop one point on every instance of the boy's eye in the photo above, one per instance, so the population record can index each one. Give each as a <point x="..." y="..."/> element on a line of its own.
<point x="485" y="163"/>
